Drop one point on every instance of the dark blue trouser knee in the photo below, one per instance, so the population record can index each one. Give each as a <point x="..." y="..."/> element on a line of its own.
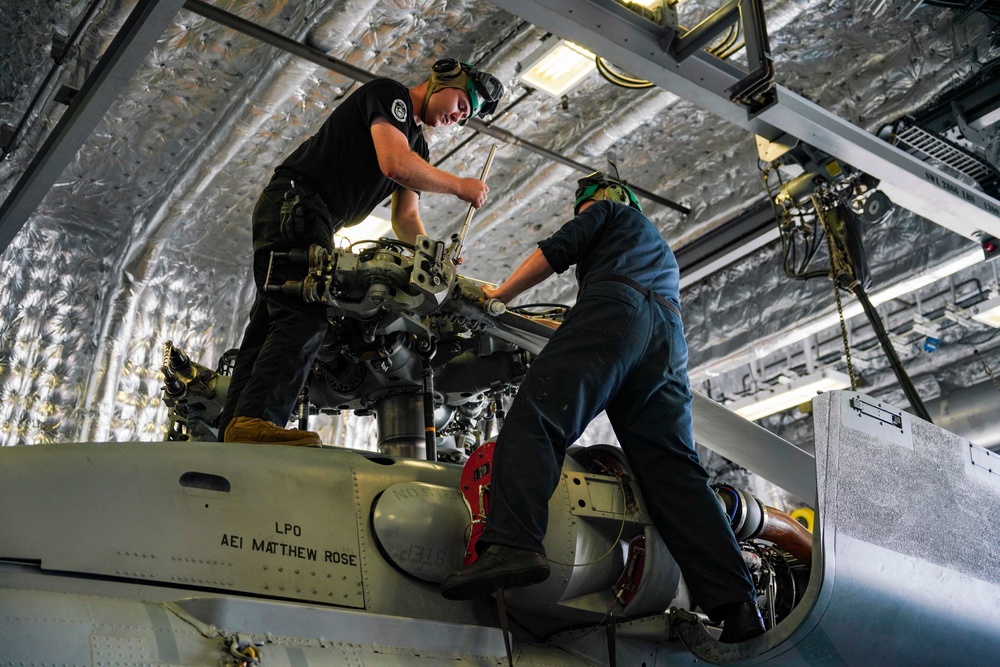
<point x="620" y="352"/>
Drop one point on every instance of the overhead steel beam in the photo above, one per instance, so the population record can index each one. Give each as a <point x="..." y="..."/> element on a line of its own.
<point x="313" y="55"/>
<point x="734" y="239"/>
<point x="642" y="48"/>
<point x="136" y="38"/>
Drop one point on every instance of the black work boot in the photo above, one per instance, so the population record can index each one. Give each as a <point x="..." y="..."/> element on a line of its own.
<point x="497" y="567"/>
<point x="740" y="621"/>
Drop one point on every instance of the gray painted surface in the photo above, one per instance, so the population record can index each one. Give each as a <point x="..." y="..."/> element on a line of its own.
<point x="108" y="550"/>
<point x="905" y="570"/>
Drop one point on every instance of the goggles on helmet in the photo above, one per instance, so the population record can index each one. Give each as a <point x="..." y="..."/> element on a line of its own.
<point x="599" y="187"/>
<point x="485" y="90"/>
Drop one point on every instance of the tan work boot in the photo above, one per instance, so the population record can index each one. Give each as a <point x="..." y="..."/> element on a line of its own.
<point x="252" y="429"/>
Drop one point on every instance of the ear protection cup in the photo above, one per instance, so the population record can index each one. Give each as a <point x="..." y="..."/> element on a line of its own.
<point x="446" y="69"/>
<point x="615" y="193"/>
<point x="484" y="89"/>
<point x="598" y="187"/>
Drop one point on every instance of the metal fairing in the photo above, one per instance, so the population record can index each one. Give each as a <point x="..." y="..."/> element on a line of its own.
<point x="195" y="553"/>
<point x="143" y="553"/>
<point x="167" y="552"/>
<point x="906" y="571"/>
<point x="587" y="518"/>
<point x="422" y="528"/>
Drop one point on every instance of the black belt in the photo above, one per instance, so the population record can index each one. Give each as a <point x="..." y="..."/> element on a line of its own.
<point x="637" y="286"/>
<point x="283" y="174"/>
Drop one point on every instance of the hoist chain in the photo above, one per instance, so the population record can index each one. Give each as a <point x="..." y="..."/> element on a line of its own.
<point x="843" y="333"/>
<point x="839" y="267"/>
<point x="989" y="371"/>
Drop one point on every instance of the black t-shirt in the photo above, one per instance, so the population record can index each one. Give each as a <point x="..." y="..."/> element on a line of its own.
<point x="340" y="161"/>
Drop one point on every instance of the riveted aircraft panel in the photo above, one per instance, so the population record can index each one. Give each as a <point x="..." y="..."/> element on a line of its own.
<point x="208" y="516"/>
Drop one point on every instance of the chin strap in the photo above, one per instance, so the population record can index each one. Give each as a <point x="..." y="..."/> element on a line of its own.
<point x="427" y="98"/>
<point x="460" y="82"/>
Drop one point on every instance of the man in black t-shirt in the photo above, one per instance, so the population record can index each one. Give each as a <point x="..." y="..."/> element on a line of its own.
<point x="371" y="146"/>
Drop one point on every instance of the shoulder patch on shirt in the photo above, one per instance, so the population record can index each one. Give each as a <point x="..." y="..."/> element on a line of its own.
<point x="399" y="110"/>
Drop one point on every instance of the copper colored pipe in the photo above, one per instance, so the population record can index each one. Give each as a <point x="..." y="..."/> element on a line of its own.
<point x="787" y="533"/>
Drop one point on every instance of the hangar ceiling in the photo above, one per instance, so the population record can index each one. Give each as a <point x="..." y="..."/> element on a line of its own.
<point x="143" y="234"/>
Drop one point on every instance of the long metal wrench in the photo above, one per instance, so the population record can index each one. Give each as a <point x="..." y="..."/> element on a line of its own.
<point x="472" y="208"/>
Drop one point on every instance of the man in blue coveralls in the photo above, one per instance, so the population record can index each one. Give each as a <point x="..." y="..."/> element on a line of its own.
<point x="621" y="349"/>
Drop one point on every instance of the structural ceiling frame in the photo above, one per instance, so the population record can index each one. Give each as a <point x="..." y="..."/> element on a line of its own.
<point x="133" y="42"/>
<point x="642" y="47"/>
<point x="606" y="28"/>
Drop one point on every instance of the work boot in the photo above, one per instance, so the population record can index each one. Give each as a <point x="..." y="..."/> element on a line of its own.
<point x="497" y="567"/>
<point x="740" y="621"/>
<point x="252" y="429"/>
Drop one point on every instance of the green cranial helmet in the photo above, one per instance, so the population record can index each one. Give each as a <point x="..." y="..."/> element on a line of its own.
<point x="484" y="89"/>
<point x="599" y="187"/>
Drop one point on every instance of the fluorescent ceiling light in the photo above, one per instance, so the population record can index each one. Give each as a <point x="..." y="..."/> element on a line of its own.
<point x="932" y="276"/>
<point x="556" y="69"/>
<point x="854" y="308"/>
<point x="661" y="12"/>
<point x="989" y="312"/>
<point x="783" y="397"/>
<point x="369" y="229"/>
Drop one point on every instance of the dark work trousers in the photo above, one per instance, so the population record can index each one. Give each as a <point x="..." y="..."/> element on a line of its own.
<point x="281" y="340"/>
<point x="618" y="351"/>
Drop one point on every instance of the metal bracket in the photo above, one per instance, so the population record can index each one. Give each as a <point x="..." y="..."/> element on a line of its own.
<point x="867" y="415"/>
<point x="692" y="41"/>
<point x="430" y="277"/>
<point x="756" y="90"/>
<point x="978" y="137"/>
<point x="982" y="464"/>
<point x="594" y="495"/>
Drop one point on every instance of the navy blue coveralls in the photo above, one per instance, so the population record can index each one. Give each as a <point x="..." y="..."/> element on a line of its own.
<point x="338" y="171"/>
<point x="621" y="351"/>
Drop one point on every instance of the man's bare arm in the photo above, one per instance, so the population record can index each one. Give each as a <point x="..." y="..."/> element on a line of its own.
<point x="402" y="165"/>
<point x="533" y="270"/>
<point x="406" y="222"/>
